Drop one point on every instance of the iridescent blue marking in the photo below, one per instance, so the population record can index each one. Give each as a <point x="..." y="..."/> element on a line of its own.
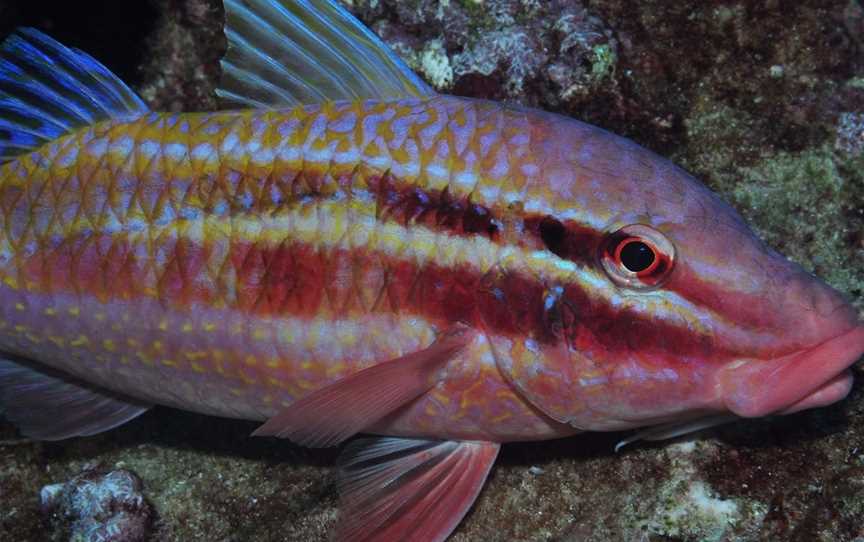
<point x="263" y="156"/>
<point x="98" y="146"/>
<point x="125" y="186"/>
<point x="275" y="194"/>
<point x="462" y="134"/>
<point x="202" y="151"/>
<point x="316" y="129"/>
<point x="246" y="200"/>
<point x="231" y="146"/>
<point x="149" y="148"/>
<point x="122" y="145"/>
<point x="171" y="120"/>
<point x="344" y="124"/>
<point x="211" y="127"/>
<point x="430" y="133"/>
<point x="190" y="213"/>
<point x="221" y="208"/>
<point x="175" y="151"/>
<point x="165" y="217"/>
<point x="287" y="128"/>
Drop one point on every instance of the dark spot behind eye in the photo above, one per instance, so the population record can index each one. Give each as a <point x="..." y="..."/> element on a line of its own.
<point x="554" y="234"/>
<point x="567" y="240"/>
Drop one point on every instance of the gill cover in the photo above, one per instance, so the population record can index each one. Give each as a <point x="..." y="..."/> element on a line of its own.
<point x="582" y="351"/>
<point x="536" y="358"/>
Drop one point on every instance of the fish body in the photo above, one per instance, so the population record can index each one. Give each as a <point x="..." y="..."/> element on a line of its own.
<point x="449" y="273"/>
<point x="261" y="255"/>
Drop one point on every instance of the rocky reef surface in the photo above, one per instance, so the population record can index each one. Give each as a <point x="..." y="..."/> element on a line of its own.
<point x="763" y="100"/>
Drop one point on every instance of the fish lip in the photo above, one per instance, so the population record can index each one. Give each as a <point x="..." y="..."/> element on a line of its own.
<point x="810" y="378"/>
<point x="830" y="392"/>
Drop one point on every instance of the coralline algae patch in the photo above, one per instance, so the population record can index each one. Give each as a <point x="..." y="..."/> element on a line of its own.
<point x="688" y="508"/>
<point x="509" y="49"/>
<point x="577" y="490"/>
<point x="850" y="133"/>
<point x="98" y="506"/>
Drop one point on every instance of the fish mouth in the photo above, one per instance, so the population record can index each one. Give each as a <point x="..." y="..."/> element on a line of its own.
<point x="811" y="378"/>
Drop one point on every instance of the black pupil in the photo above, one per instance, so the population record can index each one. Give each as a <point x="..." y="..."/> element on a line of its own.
<point x="637" y="256"/>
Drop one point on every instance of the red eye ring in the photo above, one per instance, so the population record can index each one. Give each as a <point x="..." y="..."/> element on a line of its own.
<point x="637" y="256"/>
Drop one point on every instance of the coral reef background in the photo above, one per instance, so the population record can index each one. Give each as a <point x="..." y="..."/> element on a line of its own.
<point x="763" y="100"/>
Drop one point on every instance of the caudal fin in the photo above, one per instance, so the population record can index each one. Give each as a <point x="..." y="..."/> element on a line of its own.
<point x="47" y="90"/>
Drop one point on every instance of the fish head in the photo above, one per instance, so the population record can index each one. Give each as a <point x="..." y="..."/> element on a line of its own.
<point x="663" y="305"/>
<point x="784" y="340"/>
<point x="781" y="340"/>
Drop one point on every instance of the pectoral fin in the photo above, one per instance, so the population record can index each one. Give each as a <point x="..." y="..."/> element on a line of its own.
<point x="47" y="405"/>
<point x="408" y="489"/>
<point x="330" y="415"/>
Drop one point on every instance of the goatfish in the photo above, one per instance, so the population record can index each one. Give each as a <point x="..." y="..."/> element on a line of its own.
<point x="343" y="251"/>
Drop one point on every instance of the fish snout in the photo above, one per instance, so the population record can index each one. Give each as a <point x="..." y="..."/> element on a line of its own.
<point x="818" y="337"/>
<point x="805" y="311"/>
<point x="810" y="378"/>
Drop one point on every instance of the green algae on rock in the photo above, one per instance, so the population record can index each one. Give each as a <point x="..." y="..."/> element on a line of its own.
<point x="823" y="192"/>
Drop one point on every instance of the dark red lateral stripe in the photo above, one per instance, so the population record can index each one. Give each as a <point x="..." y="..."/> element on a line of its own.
<point x="754" y="311"/>
<point x="440" y="211"/>
<point x="305" y="281"/>
<point x="101" y="265"/>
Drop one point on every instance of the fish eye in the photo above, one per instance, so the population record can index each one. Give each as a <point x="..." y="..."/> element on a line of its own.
<point x="637" y="256"/>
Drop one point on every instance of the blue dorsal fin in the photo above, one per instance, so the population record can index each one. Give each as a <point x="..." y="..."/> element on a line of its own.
<point x="47" y="89"/>
<point x="289" y="52"/>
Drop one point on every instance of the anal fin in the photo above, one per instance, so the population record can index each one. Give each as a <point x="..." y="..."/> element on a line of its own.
<point x="408" y="489"/>
<point x="336" y="412"/>
<point x="47" y="405"/>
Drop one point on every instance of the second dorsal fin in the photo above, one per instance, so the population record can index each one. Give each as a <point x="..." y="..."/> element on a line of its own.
<point x="289" y="52"/>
